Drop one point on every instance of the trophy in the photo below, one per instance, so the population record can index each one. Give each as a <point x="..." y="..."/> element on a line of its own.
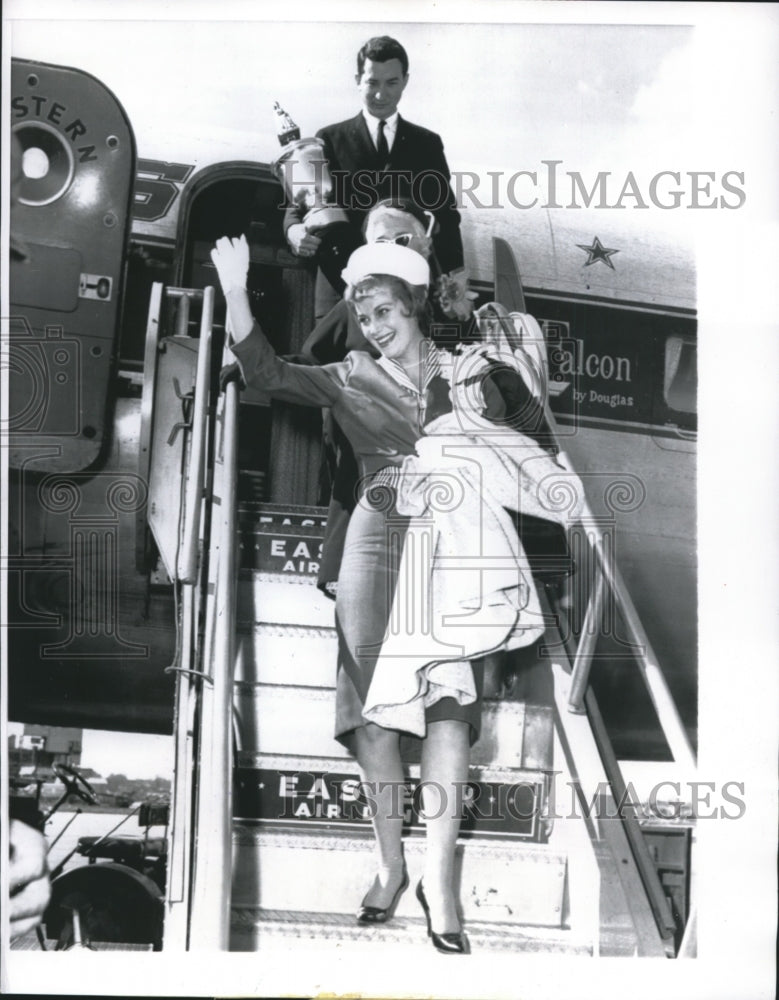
<point x="303" y="172"/>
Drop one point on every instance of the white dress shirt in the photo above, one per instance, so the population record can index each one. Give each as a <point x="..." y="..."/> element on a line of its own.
<point x="390" y="128"/>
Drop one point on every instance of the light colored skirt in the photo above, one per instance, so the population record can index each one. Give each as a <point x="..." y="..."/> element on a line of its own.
<point x="366" y="584"/>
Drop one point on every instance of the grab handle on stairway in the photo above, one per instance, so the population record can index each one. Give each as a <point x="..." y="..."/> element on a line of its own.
<point x="188" y="556"/>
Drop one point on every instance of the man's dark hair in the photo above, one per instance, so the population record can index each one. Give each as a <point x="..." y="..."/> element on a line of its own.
<point x="381" y="49"/>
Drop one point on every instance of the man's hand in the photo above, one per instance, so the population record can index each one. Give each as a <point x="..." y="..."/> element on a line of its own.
<point x="231" y="260"/>
<point x="302" y="242"/>
<point x="28" y="878"/>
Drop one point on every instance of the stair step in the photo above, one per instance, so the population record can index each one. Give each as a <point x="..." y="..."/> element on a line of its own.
<point x="253" y="927"/>
<point x="287" y="635"/>
<point x="282" y="599"/>
<point x="280" y="653"/>
<point x="299" y="720"/>
<point x="505" y="882"/>
<point x="318" y="869"/>
<point x="314" y="793"/>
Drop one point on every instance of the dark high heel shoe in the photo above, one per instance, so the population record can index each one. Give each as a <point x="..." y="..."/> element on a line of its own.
<point x="451" y="943"/>
<point x="381" y="914"/>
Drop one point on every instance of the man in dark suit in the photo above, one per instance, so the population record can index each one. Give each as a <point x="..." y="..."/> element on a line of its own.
<point x="378" y="155"/>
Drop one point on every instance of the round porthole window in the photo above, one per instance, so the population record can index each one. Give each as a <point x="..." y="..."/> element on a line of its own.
<point x="47" y="166"/>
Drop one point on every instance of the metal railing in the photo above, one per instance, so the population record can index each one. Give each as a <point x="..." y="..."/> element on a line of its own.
<point x="204" y="574"/>
<point x="188" y="556"/>
<point x="608" y="583"/>
<point x="210" y="923"/>
<point x="498" y="328"/>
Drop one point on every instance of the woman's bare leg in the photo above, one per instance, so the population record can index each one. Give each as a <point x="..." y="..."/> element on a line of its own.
<point x="378" y="754"/>
<point x="444" y="772"/>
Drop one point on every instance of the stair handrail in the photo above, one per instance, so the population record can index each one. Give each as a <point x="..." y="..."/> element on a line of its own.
<point x="608" y="579"/>
<point x="212" y="884"/>
<point x="526" y="342"/>
<point x="199" y="884"/>
<point x="187" y="566"/>
<point x="582" y="700"/>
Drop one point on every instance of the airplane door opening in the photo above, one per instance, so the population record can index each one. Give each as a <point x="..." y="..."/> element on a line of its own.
<point x="279" y="445"/>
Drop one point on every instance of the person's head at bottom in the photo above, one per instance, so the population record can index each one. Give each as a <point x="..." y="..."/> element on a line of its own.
<point x="386" y="287"/>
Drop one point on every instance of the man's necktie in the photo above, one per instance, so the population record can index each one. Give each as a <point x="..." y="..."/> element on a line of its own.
<point x="381" y="146"/>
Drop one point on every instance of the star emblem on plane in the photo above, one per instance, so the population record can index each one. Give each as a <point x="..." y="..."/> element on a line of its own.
<point x="597" y="252"/>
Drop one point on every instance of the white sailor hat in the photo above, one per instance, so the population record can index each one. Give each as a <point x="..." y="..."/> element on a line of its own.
<point x="386" y="258"/>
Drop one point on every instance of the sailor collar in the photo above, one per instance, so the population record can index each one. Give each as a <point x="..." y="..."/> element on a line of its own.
<point x="433" y="367"/>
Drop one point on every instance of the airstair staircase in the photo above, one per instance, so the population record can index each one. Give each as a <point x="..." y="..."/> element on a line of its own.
<point x="283" y="853"/>
<point x="303" y="855"/>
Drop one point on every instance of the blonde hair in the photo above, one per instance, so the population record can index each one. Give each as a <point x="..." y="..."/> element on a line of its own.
<point x="412" y="297"/>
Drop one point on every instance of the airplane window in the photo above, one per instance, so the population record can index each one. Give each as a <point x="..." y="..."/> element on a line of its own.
<point x="47" y="164"/>
<point x="35" y="163"/>
<point x="680" y="387"/>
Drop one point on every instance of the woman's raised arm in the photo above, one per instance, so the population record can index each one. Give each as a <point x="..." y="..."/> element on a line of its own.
<point x="231" y="260"/>
<point x="305" y="384"/>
